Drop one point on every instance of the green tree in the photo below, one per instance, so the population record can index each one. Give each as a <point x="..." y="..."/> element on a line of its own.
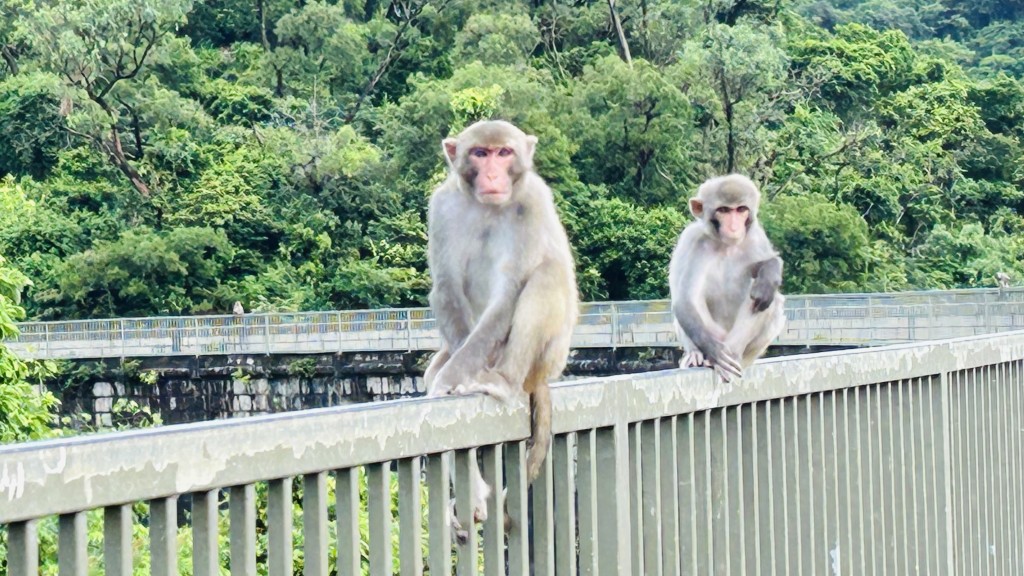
<point x="26" y="408"/>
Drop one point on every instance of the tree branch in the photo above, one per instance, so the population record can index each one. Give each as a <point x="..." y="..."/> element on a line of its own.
<point x="623" y="44"/>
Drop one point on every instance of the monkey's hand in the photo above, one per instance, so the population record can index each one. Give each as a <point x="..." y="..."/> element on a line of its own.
<point x="721" y="359"/>
<point x="762" y="293"/>
<point x="692" y="359"/>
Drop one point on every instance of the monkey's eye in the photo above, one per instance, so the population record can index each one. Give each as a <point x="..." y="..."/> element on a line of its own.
<point x="505" y="152"/>
<point x="723" y="210"/>
<point x="742" y="209"/>
<point x="478" y="152"/>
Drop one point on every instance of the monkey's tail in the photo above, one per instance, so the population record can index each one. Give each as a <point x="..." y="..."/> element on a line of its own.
<point x="540" y="437"/>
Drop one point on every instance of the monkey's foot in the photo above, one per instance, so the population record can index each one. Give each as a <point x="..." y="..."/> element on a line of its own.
<point x="693" y="359"/>
<point x="486" y="382"/>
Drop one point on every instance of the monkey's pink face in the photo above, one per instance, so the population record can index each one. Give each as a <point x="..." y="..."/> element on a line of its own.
<point x="493" y="168"/>
<point x="732" y="223"/>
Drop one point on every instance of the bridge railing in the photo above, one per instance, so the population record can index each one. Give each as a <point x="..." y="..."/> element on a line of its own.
<point x="837" y="319"/>
<point x="891" y="460"/>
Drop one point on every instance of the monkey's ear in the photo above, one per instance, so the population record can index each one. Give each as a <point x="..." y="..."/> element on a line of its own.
<point x="450" y="147"/>
<point x="531" y="144"/>
<point x="697" y="207"/>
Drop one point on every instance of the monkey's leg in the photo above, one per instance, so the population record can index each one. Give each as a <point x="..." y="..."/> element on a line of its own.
<point x="773" y="322"/>
<point x="692" y="356"/>
<point x="754" y="331"/>
<point x="436" y="363"/>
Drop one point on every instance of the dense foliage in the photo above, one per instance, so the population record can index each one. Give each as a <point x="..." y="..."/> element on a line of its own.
<point x="172" y="156"/>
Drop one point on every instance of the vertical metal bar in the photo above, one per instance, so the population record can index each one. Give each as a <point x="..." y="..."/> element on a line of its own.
<point x="205" y="560"/>
<point x="586" y="486"/>
<point x="515" y="478"/>
<point x="279" y="527"/>
<point x="410" y="517"/>
<point x="494" y="527"/>
<point x="314" y="524"/>
<point x="830" y="459"/>
<point x="926" y="438"/>
<point x="795" y="492"/>
<point x="944" y="468"/>
<point x="117" y="540"/>
<point x="984" y="469"/>
<point x="1006" y="489"/>
<point x="669" y="497"/>
<point x="869" y="503"/>
<point x="636" y="498"/>
<point x="163" y="536"/>
<point x="242" y="522"/>
<point x="565" y="509"/>
<point x="543" y="523"/>
<point x="998" y="498"/>
<point x="346" y="494"/>
<point x="747" y="460"/>
<point x="910" y="416"/>
<point x="72" y="555"/>
<point x="805" y="478"/>
<point x="901" y="452"/>
<point x="932" y="433"/>
<point x="760" y="455"/>
<point x="378" y="505"/>
<point x="860" y="444"/>
<point x="780" y="488"/>
<point x="817" y="450"/>
<point x="845" y="549"/>
<point x="23" y="549"/>
<point x="774" y="491"/>
<point x="688" y="517"/>
<point x="956" y="487"/>
<point x="614" y="553"/>
<point x="649" y="436"/>
<point x="1013" y="424"/>
<point x="717" y="491"/>
<point x="735" y="489"/>
<point x="440" y="535"/>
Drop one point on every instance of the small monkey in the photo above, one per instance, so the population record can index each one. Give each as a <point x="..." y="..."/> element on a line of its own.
<point x="237" y="309"/>
<point x="504" y="282"/>
<point x="724" y="278"/>
<point x="1003" y="279"/>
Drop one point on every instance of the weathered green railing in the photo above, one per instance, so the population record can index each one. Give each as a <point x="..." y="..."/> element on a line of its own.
<point x="906" y="459"/>
<point x="827" y="319"/>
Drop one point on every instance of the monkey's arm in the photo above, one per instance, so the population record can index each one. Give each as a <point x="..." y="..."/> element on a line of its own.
<point x="487" y="334"/>
<point x="767" y="276"/>
<point x="692" y="314"/>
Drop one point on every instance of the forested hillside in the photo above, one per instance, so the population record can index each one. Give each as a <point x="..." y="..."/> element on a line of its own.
<point x="171" y="156"/>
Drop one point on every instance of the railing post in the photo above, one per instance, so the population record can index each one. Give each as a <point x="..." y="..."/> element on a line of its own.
<point x="46" y="340"/>
<point x="613" y="525"/>
<point x="266" y="332"/>
<point x="340" y="330"/>
<point x="121" y="323"/>
<point x="615" y="325"/>
<point x="408" y="330"/>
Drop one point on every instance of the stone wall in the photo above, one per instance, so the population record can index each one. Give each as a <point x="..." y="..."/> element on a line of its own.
<point x="104" y="393"/>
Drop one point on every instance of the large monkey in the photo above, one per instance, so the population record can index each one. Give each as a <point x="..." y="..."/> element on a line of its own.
<point x="724" y="279"/>
<point x="504" y="282"/>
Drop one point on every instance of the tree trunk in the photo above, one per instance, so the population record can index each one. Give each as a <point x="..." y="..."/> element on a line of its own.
<point x="623" y="44"/>
<point x="12" y="62"/>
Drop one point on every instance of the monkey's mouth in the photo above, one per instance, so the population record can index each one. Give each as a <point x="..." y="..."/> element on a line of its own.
<point x="493" y="196"/>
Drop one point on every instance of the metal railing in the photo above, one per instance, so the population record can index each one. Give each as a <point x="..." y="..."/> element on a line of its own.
<point x="904" y="459"/>
<point x="832" y="319"/>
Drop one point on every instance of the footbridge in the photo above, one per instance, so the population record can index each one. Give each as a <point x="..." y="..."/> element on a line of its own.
<point x="890" y="460"/>
<point x="812" y="320"/>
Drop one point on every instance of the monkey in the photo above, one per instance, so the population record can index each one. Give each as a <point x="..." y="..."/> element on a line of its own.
<point x="724" y="278"/>
<point x="237" y="309"/>
<point x="1003" y="280"/>
<point x="503" y="277"/>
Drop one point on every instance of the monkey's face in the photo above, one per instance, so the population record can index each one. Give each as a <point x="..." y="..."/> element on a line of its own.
<point x="732" y="223"/>
<point x="490" y="172"/>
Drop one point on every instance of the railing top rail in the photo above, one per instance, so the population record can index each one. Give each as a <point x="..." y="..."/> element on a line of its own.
<point x="57" y="476"/>
<point x="207" y="318"/>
